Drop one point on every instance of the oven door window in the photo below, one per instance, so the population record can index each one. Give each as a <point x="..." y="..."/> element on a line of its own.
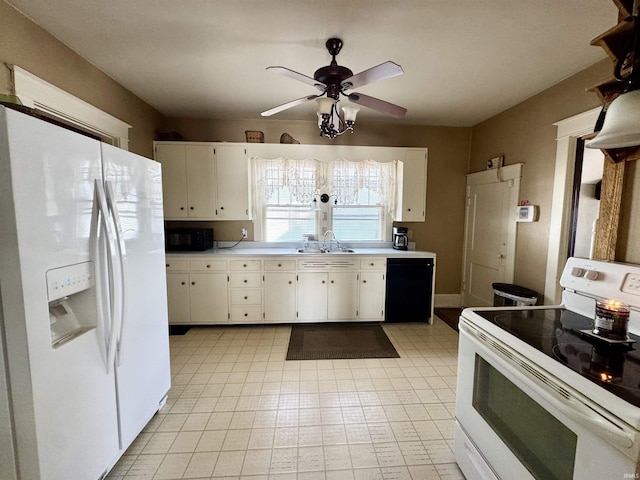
<point x="543" y="444"/>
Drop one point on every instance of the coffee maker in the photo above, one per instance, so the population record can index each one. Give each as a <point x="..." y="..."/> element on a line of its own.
<point x="400" y="238"/>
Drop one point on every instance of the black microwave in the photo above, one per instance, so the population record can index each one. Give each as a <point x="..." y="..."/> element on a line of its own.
<point x="188" y="239"/>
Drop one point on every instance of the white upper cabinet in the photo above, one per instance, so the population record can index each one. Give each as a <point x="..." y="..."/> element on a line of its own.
<point x="232" y="174"/>
<point x="204" y="181"/>
<point x="200" y="181"/>
<point x="412" y="186"/>
<point x="210" y="181"/>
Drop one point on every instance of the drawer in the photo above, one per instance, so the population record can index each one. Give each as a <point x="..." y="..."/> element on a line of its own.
<point x="209" y="265"/>
<point x="244" y="265"/>
<point x="247" y="314"/>
<point x="246" y="296"/>
<point x="373" y="263"/>
<point x="177" y="265"/>
<point x="245" y="280"/>
<point x="275" y="265"/>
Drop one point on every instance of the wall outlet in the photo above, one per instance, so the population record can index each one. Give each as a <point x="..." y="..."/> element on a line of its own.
<point x="244" y="233"/>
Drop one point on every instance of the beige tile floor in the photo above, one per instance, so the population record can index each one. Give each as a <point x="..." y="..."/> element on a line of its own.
<point x="238" y="410"/>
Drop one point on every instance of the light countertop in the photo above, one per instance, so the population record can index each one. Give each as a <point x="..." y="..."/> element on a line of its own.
<point x="259" y="249"/>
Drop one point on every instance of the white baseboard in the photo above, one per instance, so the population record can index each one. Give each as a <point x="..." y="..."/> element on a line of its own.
<point x="448" y="300"/>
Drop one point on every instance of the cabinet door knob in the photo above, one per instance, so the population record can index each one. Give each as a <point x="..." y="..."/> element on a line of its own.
<point x="167" y="265"/>
<point x="244" y="265"/>
<point x="246" y="314"/>
<point x="245" y="280"/>
<point x="408" y="209"/>
<point x="364" y="281"/>
<point x="323" y="281"/>
<point x="181" y="208"/>
<point x="193" y="283"/>
<point x="221" y="208"/>
<point x="183" y="283"/>
<point x="245" y="297"/>
<point x="290" y="282"/>
<point x="279" y="264"/>
<point x="332" y="281"/>
<point x="208" y="266"/>
<point x="191" y="208"/>
<point x="372" y="264"/>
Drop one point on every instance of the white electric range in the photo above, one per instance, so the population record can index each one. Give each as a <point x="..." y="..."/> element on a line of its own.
<point x="539" y="396"/>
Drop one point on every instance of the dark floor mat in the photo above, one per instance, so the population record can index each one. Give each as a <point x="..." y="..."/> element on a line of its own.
<point x="449" y="316"/>
<point x="336" y="341"/>
<point x="178" y="329"/>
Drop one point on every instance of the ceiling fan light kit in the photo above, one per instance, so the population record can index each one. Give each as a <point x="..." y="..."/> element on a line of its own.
<point x="334" y="80"/>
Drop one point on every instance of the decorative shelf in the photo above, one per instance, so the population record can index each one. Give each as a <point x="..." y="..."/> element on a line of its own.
<point x="625" y="7"/>
<point x="614" y="41"/>
<point x="607" y="90"/>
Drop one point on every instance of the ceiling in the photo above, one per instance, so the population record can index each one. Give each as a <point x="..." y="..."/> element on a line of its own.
<point x="464" y="61"/>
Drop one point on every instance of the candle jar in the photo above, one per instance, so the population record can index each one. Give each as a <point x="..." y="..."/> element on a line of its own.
<point x="611" y="320"/>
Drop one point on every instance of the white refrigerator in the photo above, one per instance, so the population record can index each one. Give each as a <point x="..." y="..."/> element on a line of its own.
<point x="84" y="347"/>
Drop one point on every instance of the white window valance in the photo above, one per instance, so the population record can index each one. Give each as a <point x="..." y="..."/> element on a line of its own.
<point x="303" y="178"/>
<point x="342" y="178"/>
<point x="364" y="183"/>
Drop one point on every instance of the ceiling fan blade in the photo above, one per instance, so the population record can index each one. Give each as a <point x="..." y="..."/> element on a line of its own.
<point x="286" y="106"/>
<point x="287" y="72"/>
<point x="377" y="104"/>
<point x="373" y="74"/>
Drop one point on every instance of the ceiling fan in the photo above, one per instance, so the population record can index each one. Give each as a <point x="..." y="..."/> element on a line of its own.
<point x="334" y="80"/>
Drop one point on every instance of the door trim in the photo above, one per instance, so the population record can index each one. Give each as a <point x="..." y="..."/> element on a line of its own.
<point x="509" y="173"/>
<point x="569" y="131"/>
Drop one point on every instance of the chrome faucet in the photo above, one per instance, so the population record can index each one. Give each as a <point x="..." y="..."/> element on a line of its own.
<point x="324" y="240"/>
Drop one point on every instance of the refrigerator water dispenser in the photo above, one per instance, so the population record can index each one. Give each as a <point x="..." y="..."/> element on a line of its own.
<point x="72" y="302"/>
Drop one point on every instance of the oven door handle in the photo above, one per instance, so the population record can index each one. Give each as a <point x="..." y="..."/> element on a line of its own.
<point x="568" y="405"/>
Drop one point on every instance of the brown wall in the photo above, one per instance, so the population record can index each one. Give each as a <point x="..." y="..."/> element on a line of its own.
<point x="25" y="44"/>
<point x="525" y="133"/>
<point x="442" y="232"/>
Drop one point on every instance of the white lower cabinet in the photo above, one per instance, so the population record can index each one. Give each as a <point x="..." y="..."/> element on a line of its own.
<point x="208" y="298"/>
<point x="275" y="290"/>
<point x="245" y="289"/>
<point x="371" y="290"/>
<point x="327" y="296"/>
<point x="312" y="296"/>
<point x="342" y="297"/>
<point x="197" y="298"/>
<point x="279" y="297"/>
<point x="178" y="298"/>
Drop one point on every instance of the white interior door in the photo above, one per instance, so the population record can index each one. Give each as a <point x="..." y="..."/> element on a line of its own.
<point x="490" y="232"/>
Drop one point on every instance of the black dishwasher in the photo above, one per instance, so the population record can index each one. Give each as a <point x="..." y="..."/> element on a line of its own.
<point x="409" y="289"/>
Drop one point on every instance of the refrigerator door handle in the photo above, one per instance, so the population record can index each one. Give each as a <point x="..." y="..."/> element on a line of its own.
<point x="112" y="331"/>
<point x="122" y="258"/>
